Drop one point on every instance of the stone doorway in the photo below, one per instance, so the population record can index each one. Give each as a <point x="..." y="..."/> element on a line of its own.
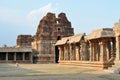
<point x="35" y="59"/>
<point x="2" y="56"/>
<point x="56" y="55"/>
<point x="57" y="51"/>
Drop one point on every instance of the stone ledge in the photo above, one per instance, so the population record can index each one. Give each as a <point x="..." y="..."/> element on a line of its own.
<point x="100" y="65"/>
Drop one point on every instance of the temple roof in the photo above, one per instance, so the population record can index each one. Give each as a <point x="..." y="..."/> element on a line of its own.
<point x="101" y="33"/>
<point x="62" y="41"/>
<point x="15" y="49"/>
<point x="76" y="38"/>
<point x="71" y="39"/>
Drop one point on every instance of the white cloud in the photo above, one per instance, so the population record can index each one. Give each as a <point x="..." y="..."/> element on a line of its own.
<point x="17" y="17"/>
<point x="35" y="15"/>
<point x="43" y="9"/>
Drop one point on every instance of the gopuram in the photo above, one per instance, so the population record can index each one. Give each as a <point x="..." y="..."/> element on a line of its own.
<point x="49" y="31"/>
<point x="55" y="42"/>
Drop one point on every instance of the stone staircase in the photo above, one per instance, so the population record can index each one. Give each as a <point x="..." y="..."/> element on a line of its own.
<point x="114" y="67"/>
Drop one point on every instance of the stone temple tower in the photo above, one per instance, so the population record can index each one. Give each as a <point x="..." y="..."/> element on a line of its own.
<point x="50" y="29"/>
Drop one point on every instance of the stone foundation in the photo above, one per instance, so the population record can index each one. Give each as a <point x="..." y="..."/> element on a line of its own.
<point x="46" y="59"/>
<point x="19" y="61"/>
<point x="99" y="65"/>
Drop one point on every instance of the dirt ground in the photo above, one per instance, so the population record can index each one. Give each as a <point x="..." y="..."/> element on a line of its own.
<point x="53" y="72"/>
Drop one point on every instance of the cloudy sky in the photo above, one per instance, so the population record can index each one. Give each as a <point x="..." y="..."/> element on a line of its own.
<point x="23" y="16"/>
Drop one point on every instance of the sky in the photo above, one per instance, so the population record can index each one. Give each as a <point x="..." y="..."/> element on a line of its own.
<point x="23" y="16"/>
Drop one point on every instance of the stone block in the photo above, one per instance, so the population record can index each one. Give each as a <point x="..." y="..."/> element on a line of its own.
<point x="117" y="71"/>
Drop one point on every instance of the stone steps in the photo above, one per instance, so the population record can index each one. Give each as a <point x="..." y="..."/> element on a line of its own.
<point x="113" y="68"/>
<point x="117" y="65"/>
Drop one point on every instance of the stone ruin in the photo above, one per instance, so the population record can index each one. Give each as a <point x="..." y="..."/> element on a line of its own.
<point x="50" y="29"/>
<point x="55" y="42"/>
<point x="24" y="40"/>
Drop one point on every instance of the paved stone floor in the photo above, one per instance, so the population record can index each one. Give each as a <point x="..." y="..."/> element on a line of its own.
<point x="53" y="72"/>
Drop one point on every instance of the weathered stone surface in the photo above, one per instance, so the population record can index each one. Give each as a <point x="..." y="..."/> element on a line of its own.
<point x="51" y="29"/>
<point x="24" y="40"/>
<point x="16" y="55"/>
<point x="116" y="29"/>
<point x="117" y="71"/>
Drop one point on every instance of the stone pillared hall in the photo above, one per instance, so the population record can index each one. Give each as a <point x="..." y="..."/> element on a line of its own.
<point x="55" y="42"/>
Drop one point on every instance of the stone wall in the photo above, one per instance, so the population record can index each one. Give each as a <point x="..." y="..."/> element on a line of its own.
<point x="50" y="29"/>
<point x="24" y="40"/>
<point x="16" y="55"/>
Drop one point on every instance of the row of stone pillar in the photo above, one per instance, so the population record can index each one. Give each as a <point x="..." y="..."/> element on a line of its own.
<point x="73" y="52"/>
<point x="23" y="56"/>
<point x="95" y="51"/>
<point x="101" y="50"/>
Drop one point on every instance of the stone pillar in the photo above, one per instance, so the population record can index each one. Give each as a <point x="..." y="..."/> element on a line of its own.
<point x="93" y="54"/>
<point x="65" y="52"/>
<point x="117" y="48"/>
<point x="95" y="51"/>
<point x="60" y="54"/>
<point x="23" y="54"/>
<point x="81" y="52"/>
<point x="6" y="56"/>
<point x="31" y="57"/>
<point x="109" y="46"/>
<point x="114" y="45"/>
<point x="70" y="51"/>
<point x="102" y="52"/>
<point x="77" y="54"/>
<point x="91" y="51"/>
<point x="86" y="52"/>
<point x="15" y="56"/>
<point x="74" y="52"/>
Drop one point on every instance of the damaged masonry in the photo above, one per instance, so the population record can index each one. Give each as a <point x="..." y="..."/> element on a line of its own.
<point x="55" y="42"/>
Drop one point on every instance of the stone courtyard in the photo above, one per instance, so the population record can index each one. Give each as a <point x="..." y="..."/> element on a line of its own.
<point x="53" y="72"/>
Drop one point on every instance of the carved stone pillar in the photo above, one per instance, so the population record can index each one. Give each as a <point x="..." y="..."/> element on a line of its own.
<point x="74" y="53"/>
<point x="91" y="51"/>
<point x="6" y="56"/>
<point x="60" y="53"/>
<point x="31" y="57"/>
<point x="65" y="52"/>
<point x="15" y="56"/>
<point x="117" y="48"/>
<point x="70" y="51"/>
<point x="23" y="54"/>
<point x="108" y="49"/>
<point x="77" y="54"/>
<point x="93" y="54"/>
<point x="102" y="51"/>
<point x="81" y="52"/>
<point x="97" y="51"/>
